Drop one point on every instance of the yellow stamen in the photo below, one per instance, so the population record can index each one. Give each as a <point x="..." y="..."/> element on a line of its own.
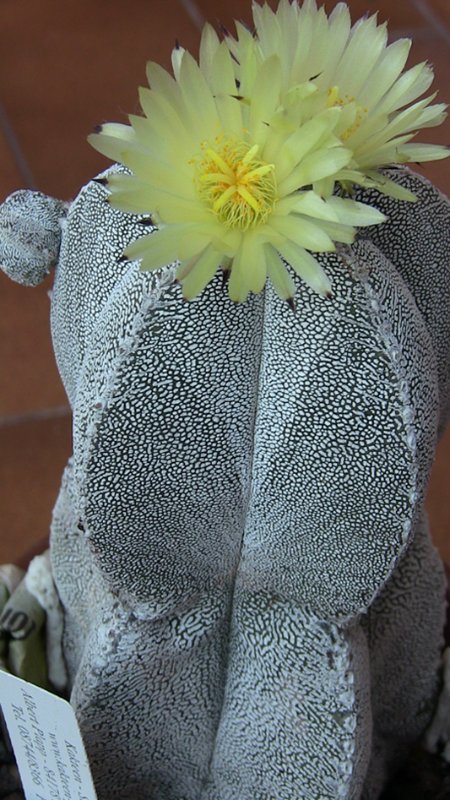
<point x="243" y="194"/>
<point x="252" y="152"/>
<point x="219" y="161"/>
<point x="220" y="202"/>
<point x="213" y="177"/>
<point x="249" y="198"/>
<point x="264" y="170"/>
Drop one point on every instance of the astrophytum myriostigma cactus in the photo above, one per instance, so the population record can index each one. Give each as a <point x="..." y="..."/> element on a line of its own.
<point x="253" y="606"/>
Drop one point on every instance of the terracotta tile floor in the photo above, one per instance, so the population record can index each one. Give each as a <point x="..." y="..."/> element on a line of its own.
<point x="66" y="67"/>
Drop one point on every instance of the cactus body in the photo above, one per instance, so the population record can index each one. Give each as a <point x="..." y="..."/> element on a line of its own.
<point x="254" y="610"/>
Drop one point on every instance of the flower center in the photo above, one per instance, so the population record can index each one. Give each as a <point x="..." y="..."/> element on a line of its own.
<point x="238" y="186"/>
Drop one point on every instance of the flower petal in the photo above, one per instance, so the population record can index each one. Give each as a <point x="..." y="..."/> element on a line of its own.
<point x="278" y="274"/>
<point x="319" y="164"/>
<point x="265" y="99"/>
<point x="177" y="57"/>
<point x="168" y="244"/>
<point x="365" y="46"/>
<point x="113" y="140"/>
<point x="339" y="26"/>
<point x="159" y="111"/>
<point x="309" y="137"/>
<point x="249" y="60"/>
<point x="407" y="88"/>
<point x="350" y="212"/>
<point x="254" y="263"/>
<point x="209" y="44"/>
<point x="201" y="271"/>
<point x="155" y="250"/>
<point x="401" y="123"/>
<point x="339" y="232"/>
<point x="238" y="287"/>
<point x="385" y="73"/>
<point x="163" y="83"/>
<point x="306" y="266"/>
<point x="424" y="152"/>
<point x="301" y="231"/>
<point x="389" y="187"/>
<point x="198" y="98"/>
<point x="176" y="179"/>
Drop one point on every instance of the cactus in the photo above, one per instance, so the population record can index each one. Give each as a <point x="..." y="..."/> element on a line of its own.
<point x="253" y="606"/>
<point x="30" y="235"/>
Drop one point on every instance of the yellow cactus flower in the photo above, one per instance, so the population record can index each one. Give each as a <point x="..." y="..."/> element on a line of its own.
<point x="327" y="63"/>
<point x="226" y="187"/>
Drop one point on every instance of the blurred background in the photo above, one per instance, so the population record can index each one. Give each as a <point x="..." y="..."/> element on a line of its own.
<point x="65" y="67"/>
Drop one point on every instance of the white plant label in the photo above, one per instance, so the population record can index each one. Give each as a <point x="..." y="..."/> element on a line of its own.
<point x="47" y="742"/>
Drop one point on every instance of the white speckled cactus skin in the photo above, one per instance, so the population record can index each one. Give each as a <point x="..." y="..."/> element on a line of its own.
<point x="254" y="609"/>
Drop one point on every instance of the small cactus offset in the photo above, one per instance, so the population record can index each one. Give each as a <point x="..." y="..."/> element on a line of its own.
<point x="30" y="235"/>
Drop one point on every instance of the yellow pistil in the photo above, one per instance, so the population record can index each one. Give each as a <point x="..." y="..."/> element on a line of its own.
<point x="238" y="187"/>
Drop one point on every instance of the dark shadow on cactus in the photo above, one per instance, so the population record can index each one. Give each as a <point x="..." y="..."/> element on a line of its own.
<point x="425" y="777"/>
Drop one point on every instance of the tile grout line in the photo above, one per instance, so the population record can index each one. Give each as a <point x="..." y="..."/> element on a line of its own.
<point x="439" y="27"/>
<point x="16" y="150"/>
<point x="193" y="11"/>
<point x="35" y="416"/>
